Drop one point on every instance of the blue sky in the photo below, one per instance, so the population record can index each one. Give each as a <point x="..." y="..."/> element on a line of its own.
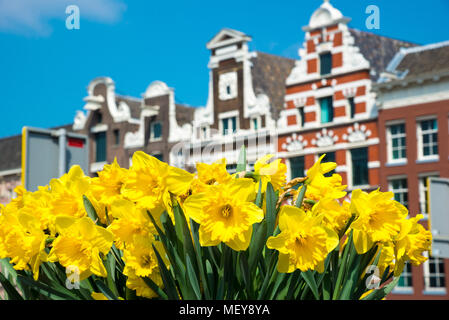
<point x="45" y="68"/>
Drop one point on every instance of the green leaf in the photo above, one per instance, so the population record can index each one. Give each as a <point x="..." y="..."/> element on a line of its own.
<point x="351" y="282"/>
<point x="301" y="195"/>
<point x="310" y="280"/>
<point x="169" y="282"/>
<point x="90" y="209"/>
<point x="259" y="197"/>
<point x="48" y="291"/>
<point x="256" y="245"/>
<point x="270" y="216"/>
<point x="13" y="294"/>
<point x="105" y="290"/>
<point x="327" y="286"/>
<point x="192" y="279"/>
<point x="155" y="288"/>
<point x="199" y="259"/>
<point x="381" y="293"/>
<point x="342" y="267"/>
<point x="241" y="163"/>
<point x="186" y="238"/>
<point x="244" y="269"/>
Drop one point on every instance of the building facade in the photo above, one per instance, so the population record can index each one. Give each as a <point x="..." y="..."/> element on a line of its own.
<point x="377" y="106"/>
<point x="329" y="102"/>
<point x="413" y="103"/>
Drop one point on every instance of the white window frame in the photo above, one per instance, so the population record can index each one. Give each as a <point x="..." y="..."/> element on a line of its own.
<point x="204" y="129"/>
<point x="299" y="118"/>
<point x="389" y="137"/>
<point x="348" y="107"/>
<point x="228" y="115"/>
<point x="258" y="118"/>
<point x="423" y="191"/>
<point x="419" y="133"/>
<point x="152" y="137"/>
<point x="225" y="80"/>
<point x="426" y="275"/>
<point x="401" y="190"/>
<point x="408" y="289"/>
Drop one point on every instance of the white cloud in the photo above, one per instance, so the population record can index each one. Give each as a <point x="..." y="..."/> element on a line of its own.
<point x="32" y="17"/>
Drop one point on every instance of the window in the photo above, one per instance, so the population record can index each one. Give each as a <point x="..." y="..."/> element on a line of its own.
<point x="159" y="156"/>
<point x="396" y="142"/>
<point x="327" y="110"/>
<point x="428" y="138"/>
<point x="100" y="146"/>
<point x="229" y="125"/>
<point x="405" y="281"/>
<point x="400" y="190"/>
<point x="359" y="159"/>
<point x="255" y="123"/>
<point x="231" y="168"/>
<point x="116" y="133"/>
<point x="296" y="167"/>
<point x="302" y="118"/>
<point x="434" y="279"/>
<point x="204" y="132"/>
<point x="423" y="187"/>
<point x="329" y="157"/>
<point x="325" y="63"/>
<point x="98" y="117"/>
<point x="351" y="107"/>
<point x="155" y="131"/>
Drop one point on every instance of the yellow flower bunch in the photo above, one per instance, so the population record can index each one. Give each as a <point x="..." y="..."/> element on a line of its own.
<point x="156" y="231"/>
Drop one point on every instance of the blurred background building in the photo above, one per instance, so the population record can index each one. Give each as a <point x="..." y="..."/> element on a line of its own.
<point x="377" y="106"/>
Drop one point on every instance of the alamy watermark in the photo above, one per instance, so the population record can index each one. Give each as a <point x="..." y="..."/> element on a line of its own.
<point x="373" y="20"/>
<point x="73" y="277"/>
<point x="73" y="19"/>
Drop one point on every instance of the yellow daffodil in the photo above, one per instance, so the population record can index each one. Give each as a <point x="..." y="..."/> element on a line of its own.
<point x="137" y="283"/>
<point x="225" y="213"/>
<point x="378" y="218"/>
<point x="411" y="242"/>
<point x="23" y="242"/>
<point x="335" y="215"/>
<point x="79" y="244"/>
<point x="319" y="186"/>
<point x="303" y="243"/>
<point x="273" y="172"/>
<point x="67" y="193"/>
<point x="210" y="174"/>
<point x="130" y="220"/>
<point x="141" y="257"/>
<point x="150" y="183"/>
<point x="107" y="186"/>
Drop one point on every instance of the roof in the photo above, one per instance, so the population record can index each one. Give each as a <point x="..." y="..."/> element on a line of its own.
<point x="10" y="152"/>
<point x="184" y="114"/>
<point x="429" y="59"/>
<point x="269" y="73"/>
<point x="378" y="50"/>
<point x="133" y="103"/>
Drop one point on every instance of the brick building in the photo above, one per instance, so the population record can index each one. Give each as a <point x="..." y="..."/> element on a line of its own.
<point x="329" y="102"/>
<point x="377" y="106"/>
<point x="413" y="100"/>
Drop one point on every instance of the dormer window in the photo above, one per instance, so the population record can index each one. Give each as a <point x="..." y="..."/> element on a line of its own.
<point x="155" y="131"/>
<point x="229" y="125"/>
<point x="325" y="63"/>
<point x="98" y="117"/>
<point x="227" y="85"/>
<point x="256" y="123"/>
